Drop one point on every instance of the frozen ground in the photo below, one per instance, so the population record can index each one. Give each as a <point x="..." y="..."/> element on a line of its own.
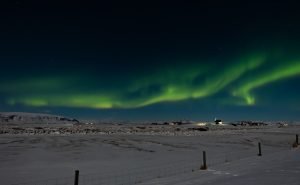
<point x="278" y="168"/>
<point x="128" y="159"/>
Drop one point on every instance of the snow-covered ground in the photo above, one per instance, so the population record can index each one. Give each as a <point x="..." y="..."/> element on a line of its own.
<point x="282" y="168"/>
<point x="128" y="159"/>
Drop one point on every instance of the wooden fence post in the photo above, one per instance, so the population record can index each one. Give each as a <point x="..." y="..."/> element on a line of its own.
<point x="204" y="166"/>
<point x="76" y="180"/>
<point x="259" y="149"/>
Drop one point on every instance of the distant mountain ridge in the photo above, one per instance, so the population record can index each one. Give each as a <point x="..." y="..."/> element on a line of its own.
<point x="34" y="118"/>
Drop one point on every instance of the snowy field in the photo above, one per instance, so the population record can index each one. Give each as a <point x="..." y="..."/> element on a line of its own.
<point x="153" y="159"/>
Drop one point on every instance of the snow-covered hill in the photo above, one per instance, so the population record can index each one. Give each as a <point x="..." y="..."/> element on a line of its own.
<point x="34" y="118"/>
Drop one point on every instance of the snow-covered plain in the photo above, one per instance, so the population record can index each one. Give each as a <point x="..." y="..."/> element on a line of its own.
<point x="153" y="159"/>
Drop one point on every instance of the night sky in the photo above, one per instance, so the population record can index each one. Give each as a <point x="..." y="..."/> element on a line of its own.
<point x="123" y="61"/>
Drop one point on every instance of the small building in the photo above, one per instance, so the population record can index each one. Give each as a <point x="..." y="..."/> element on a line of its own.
<point x="218" y="122"/>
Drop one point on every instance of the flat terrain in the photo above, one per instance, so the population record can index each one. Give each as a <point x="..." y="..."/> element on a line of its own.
<point x="153" y="159"/>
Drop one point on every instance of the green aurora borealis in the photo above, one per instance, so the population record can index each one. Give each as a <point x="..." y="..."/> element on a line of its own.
<point x="238" y="79"/>
<point x="143" y="62"/>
